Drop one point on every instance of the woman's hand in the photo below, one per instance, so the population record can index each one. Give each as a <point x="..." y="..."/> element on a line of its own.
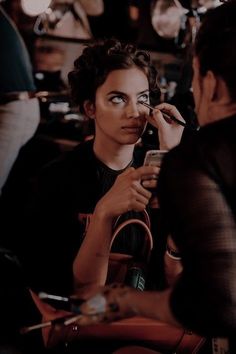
<point x="117" y="301"/>
<point x="151" y="184"/>
<point x="106" y="304"/>
<point x="169" y="131"/>
<point x="128" y="193"/>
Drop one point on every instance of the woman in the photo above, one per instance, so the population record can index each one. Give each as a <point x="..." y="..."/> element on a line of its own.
<point x="100" y="179"/>
<point x="112" y="100"/>
<point x="197" y="198"/>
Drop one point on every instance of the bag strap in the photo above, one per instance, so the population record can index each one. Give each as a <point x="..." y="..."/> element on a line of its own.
<point x="145" y="225"/>
<point x="145" y="215"/>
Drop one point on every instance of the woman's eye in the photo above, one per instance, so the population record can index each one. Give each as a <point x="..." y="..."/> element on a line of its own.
<point x="117" y="99"/>
<point x="144" y="98"/>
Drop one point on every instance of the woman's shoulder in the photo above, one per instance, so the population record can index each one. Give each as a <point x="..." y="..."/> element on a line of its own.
<point x="70" y="166"/>
<point x="72" y="159"/>
<point x="84" y="150"/>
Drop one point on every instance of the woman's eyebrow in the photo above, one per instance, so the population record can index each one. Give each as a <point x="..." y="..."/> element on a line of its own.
<point x="123" y="93"/>
<point x="142" y="92"/>
<point x="116" y="93"/>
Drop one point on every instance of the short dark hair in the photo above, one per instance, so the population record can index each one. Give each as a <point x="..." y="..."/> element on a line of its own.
<point x="215" y="44"/>
<point x="99" y="59"/>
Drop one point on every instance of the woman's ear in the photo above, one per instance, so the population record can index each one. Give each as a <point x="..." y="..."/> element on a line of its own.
<point x="211" y="86"/>
<point x="216" y="89"/>
<point x="89" y="109"/>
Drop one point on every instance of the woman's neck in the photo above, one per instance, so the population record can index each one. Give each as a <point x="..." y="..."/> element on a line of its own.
<point x="114" y="155"/>
<point x="219" y="112"/>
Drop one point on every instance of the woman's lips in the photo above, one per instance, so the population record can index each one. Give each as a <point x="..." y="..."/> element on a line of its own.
<point x="133" y="129"/>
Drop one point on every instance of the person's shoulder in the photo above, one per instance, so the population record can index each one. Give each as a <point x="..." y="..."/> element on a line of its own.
<point x="181" y="153"/>
<point x="210" y="149"/>
<point x="216" y="139"/>
<point x="219" y="130"/>
<point x="82" y="152"/>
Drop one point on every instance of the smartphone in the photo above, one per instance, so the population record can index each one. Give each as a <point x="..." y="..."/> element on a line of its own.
<point x="154" y="157"/>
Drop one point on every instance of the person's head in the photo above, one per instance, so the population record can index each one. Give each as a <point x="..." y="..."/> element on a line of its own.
<point x="108" y="80"/>
<point x="214" y="81"/>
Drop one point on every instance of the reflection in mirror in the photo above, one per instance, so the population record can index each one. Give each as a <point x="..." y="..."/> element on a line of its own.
<point x="54" y="55"/>
<point x="68" y="19"/>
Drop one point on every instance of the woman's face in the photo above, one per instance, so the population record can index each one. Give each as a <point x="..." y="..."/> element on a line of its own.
<point x="118" y="116"/>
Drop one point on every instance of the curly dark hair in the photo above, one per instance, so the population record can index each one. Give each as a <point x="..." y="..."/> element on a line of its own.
<point x="99" y="59"/>
<point x="215" y="44"/>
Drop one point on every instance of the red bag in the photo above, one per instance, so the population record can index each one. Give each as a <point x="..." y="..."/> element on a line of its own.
<point x="156" y="333"/>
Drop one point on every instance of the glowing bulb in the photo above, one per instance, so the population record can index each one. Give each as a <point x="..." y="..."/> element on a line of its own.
<point x="34" y="7"/>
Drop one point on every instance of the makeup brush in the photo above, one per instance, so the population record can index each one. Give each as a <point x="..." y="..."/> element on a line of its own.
<point x="165" y="115"/>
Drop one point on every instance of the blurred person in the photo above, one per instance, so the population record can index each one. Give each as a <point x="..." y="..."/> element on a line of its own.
<point x="19" y="109"/>
<point x="69" y="20"/>
<point x="196" y="191"/>
<point x="73" y="20"/>
<point x="206" y="238"/>
<point x="147" y="37"/>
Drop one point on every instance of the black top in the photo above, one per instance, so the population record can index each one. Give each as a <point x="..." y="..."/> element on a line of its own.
<point x="54" y="222"/>
<point x="197" y="191"/>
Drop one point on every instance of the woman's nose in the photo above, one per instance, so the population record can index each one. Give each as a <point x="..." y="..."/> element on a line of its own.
<point x="133" y="110"/>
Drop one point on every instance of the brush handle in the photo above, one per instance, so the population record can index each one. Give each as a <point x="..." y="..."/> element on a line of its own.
<point x="165" y="115"/>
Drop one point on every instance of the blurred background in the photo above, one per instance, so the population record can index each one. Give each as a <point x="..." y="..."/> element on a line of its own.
<point x="55" y="33"/>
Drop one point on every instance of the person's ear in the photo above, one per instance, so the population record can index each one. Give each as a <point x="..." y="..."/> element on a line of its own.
<point x="211" y="86"/>
<point x="89" y="109"/>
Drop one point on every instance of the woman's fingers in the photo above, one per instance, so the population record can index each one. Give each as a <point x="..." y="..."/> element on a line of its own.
<point x="159" y="116"/>
<point x="150" y="183"/>
<point x="169" y="131"/>
<point x="146" y="172"/>
<point x="172" y="110"/>
<point x="106" y="305"/>
<point x="127" y="192"/>
<point x="138" y="202"/>
<point x="127" y="172"/>
<point x="134" y="181"/>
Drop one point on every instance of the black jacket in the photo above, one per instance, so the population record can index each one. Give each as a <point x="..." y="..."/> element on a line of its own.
<point x="197" y="191"/>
